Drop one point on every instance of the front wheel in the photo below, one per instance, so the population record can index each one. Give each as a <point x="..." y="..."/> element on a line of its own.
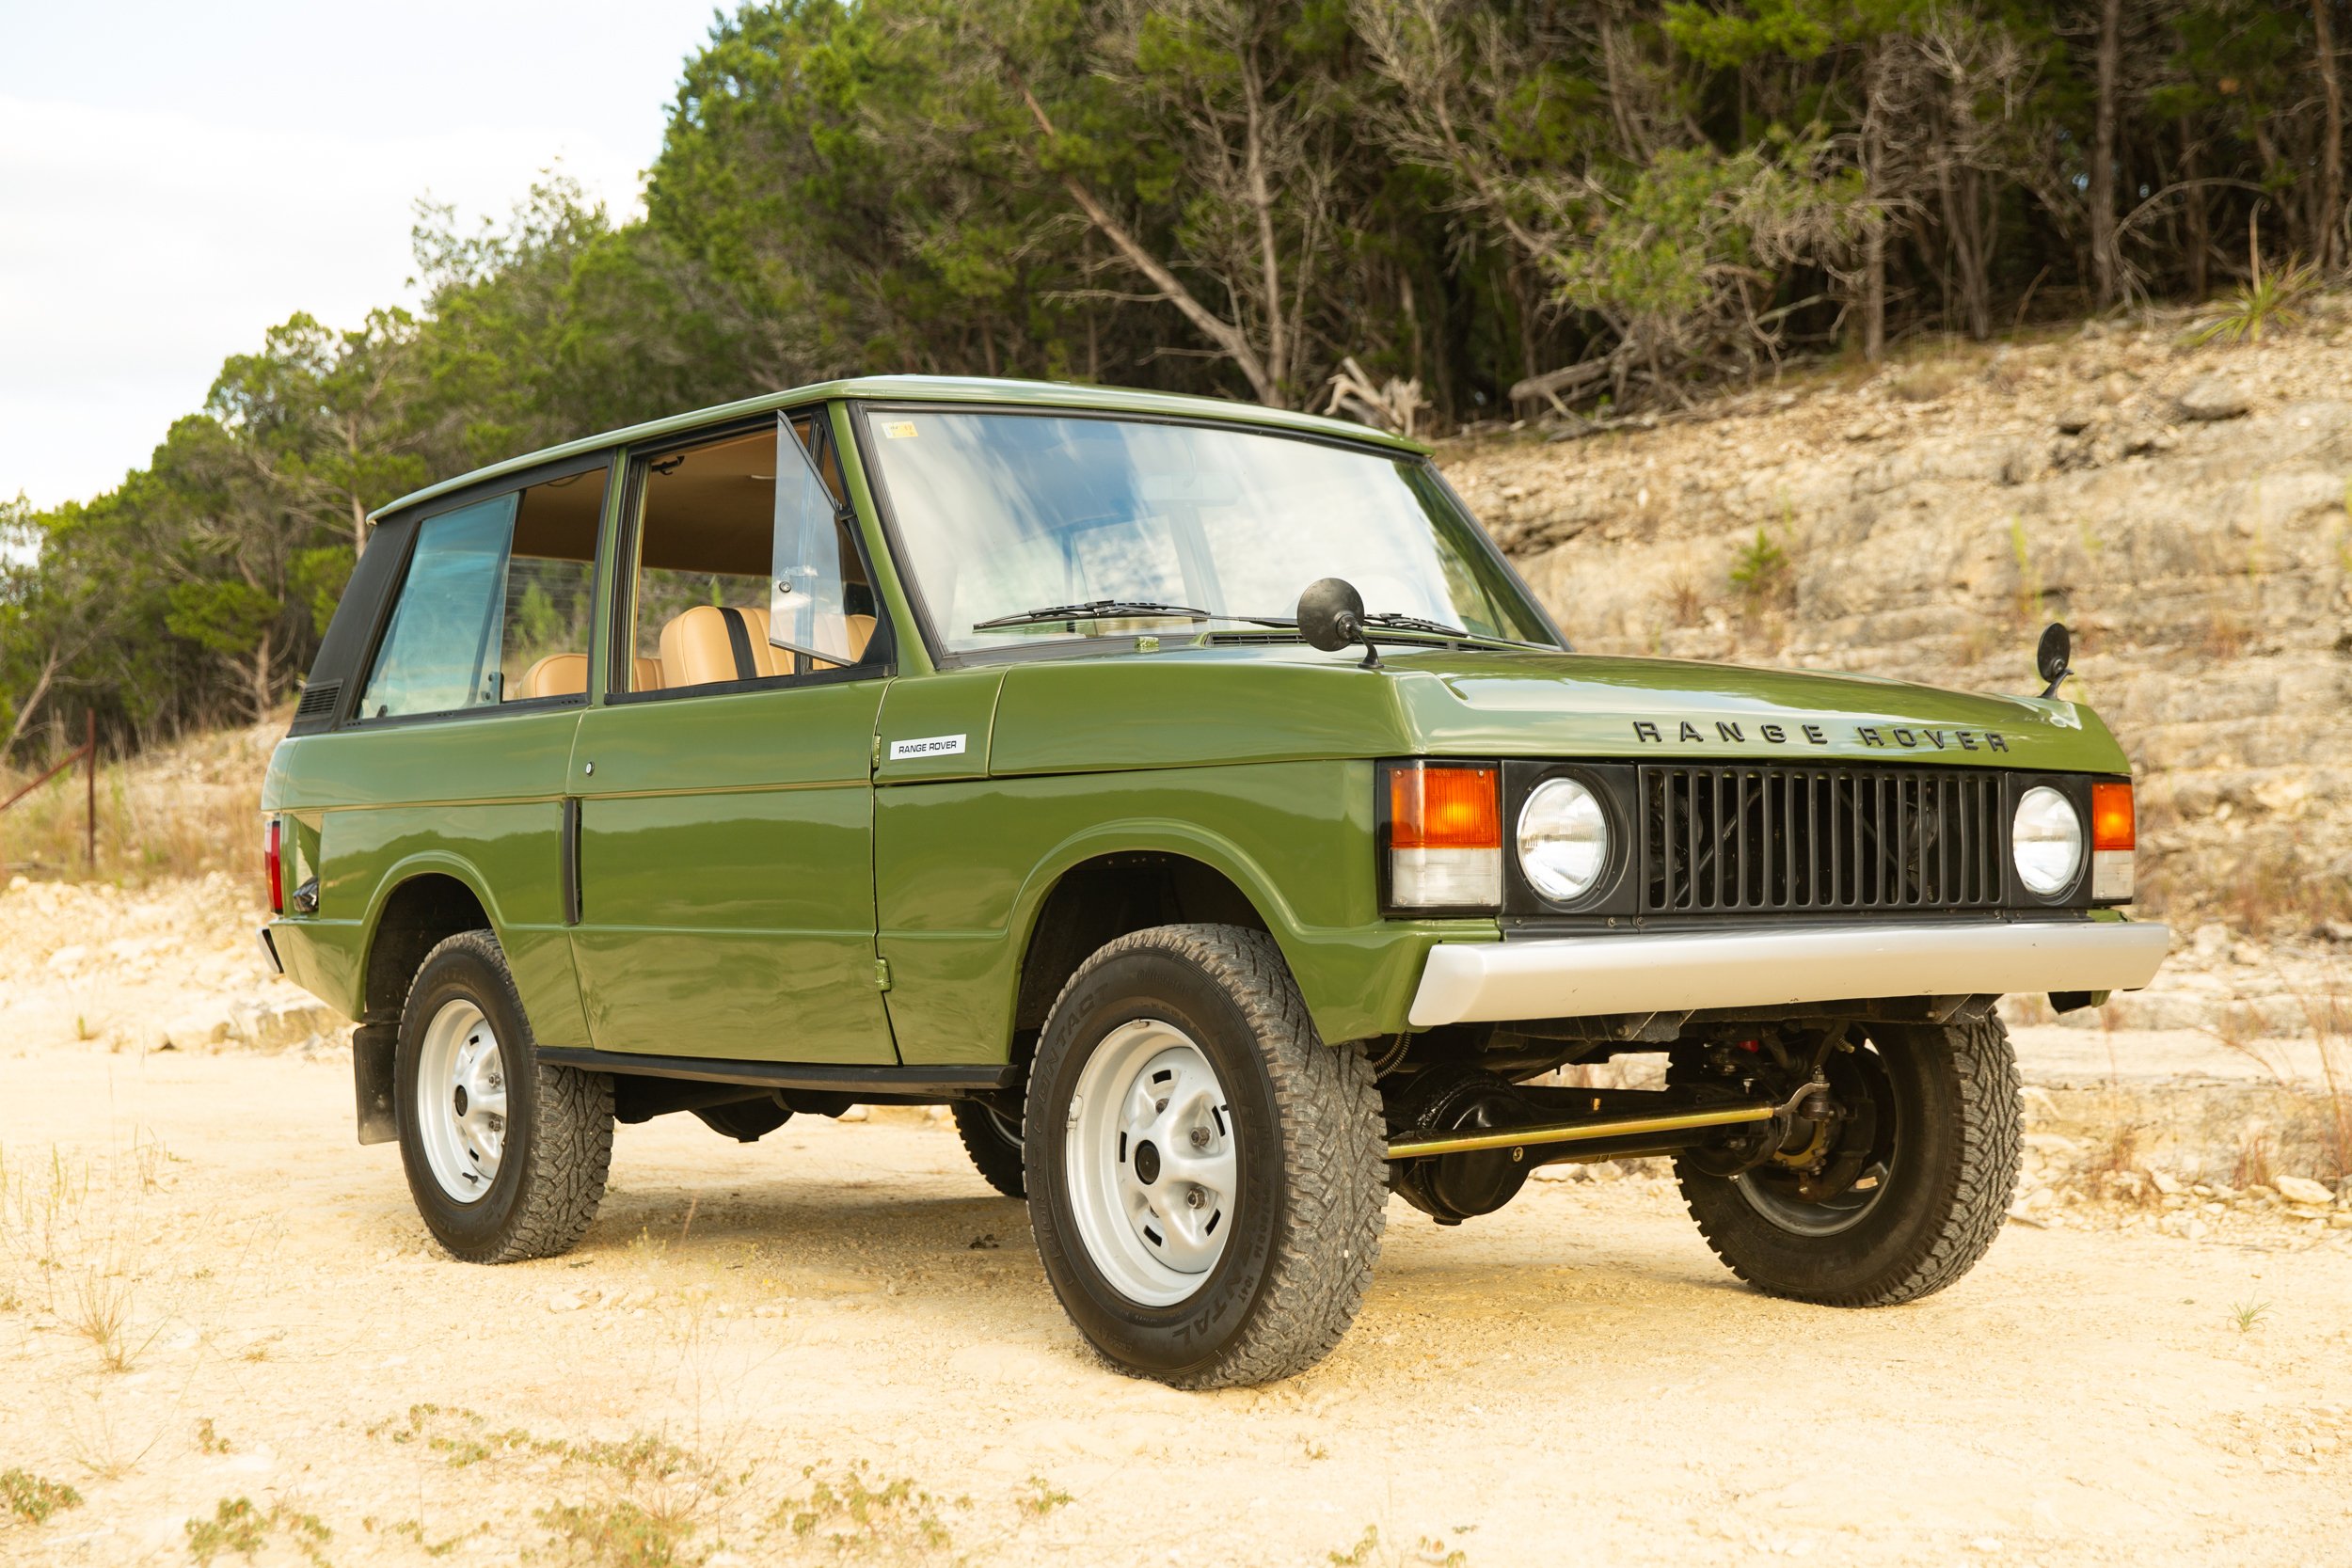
<point x="507" y="1156"/>
<point x="1896" y="1199"/>
<point x="1207" y="1177"/>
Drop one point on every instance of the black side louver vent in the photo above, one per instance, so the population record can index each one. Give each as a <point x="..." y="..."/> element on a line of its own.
<point x="318" y="702"/>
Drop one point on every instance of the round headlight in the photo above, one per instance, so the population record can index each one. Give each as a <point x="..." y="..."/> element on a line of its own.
<point x="2046" y="841"/>
<point x="1564" y="839"/>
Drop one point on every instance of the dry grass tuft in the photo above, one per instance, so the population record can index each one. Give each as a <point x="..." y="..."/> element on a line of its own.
<point x="2122" y="1152"/>
<point x="1684" y="600"/>
<point x="100" y="1311"/>
<point x="2253" y="1160"/>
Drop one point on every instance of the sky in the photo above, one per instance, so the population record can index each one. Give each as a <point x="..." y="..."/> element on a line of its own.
<point x="175" y="179"/>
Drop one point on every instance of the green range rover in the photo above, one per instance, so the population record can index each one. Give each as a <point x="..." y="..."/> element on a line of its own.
<point x="1190" y="796"/>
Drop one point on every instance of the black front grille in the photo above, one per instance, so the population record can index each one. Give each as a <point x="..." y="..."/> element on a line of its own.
<point x="1767" y="838"/>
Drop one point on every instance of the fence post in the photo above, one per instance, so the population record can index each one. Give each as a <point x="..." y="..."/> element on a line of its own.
<point x="90" y="797"/>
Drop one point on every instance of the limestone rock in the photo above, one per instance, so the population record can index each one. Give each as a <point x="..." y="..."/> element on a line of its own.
<point x="2303" y="1190"/>
<point x="2213" y="398"/>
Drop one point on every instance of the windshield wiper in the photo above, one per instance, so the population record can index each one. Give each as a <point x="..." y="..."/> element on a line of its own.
<point x="1388" y="620"/>
<point x="1387" y="625"/>
<point x="1410" y="622"/>
<point x="1095" y="610"/>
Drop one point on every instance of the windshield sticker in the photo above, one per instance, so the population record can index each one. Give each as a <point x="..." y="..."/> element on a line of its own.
<point x="933" y="745"/>
<point x="899" y="430"/>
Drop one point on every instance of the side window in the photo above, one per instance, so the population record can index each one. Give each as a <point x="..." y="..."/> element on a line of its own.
<point x="551" y="589"/>
<point x="495" y="604"/>
<point x="722" y="529"/>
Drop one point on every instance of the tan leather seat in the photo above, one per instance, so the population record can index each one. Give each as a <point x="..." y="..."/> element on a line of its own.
<point x="557" y="675"/>
<point x="709" y="644"/>
<point x="698" y="648"/>
<point x="566" y="676"/>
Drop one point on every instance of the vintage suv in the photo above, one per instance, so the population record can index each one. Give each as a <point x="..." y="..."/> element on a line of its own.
<point x="1032" y="750"/>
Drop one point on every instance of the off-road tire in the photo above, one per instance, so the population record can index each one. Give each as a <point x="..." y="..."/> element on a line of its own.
<point x="559" y="1122"/>
<point x="996" y="1157"/>
<point x="1310" y="1148"/>
<point x="1958" y="1134"/>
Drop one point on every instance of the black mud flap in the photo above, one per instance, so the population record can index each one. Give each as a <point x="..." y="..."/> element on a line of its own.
<point x="372" y="1049"/>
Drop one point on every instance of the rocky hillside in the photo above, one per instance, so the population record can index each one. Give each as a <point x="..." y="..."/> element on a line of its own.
<point x="2182" y="507"/>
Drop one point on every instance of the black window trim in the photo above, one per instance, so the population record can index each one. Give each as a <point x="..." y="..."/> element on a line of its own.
<point x="411" y="521"/>
<point x="880" y="660"/>
<point x="926" y="625"/>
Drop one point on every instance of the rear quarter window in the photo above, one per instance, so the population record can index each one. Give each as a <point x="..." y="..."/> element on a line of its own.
<point x="495" y="605"/>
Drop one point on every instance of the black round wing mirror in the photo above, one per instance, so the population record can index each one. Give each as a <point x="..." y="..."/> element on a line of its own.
<point x="2052" y="655"/>
<point x="1331" y="614"/>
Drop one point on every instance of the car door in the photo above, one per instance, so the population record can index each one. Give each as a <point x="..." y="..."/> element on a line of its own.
<point x="723" y="788"/>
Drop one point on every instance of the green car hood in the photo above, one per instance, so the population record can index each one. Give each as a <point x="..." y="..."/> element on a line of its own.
<point x="1192" y="706"/>
<point x="1515" y="704"/>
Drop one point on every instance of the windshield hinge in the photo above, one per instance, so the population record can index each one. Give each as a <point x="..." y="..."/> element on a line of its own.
<point x="882" y="974"/>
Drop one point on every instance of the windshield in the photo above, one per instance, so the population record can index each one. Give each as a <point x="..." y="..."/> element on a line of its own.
<point x="1002" y="515"/>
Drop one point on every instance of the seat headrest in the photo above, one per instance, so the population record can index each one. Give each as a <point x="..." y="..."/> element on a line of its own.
<point x="557" y="675"/>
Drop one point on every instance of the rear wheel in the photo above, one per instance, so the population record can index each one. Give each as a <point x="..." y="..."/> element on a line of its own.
<point x="993" y="1141"/>
<point x="506" y="1157"/>
<point x="1895" y="1199"/>
<point x="1207" y="1176"/>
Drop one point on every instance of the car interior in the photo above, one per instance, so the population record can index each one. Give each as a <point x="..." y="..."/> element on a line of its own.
<point x="706" y="542"/>
<point x="550" y="581"/>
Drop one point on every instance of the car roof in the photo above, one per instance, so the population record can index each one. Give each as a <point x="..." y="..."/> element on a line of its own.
<point x="932" y="388"/>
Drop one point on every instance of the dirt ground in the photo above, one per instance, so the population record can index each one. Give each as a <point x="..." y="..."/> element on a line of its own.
<point x="222" y="1327"/>
<point x="756" y="1344"/>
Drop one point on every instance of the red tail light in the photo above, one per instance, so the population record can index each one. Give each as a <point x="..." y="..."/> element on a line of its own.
<point x="273" y="868"/>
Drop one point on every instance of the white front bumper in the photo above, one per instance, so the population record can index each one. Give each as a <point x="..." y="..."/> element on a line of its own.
<point x="1679" y="970"/>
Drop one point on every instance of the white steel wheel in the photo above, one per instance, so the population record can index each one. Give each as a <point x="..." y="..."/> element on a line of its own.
<point x="461" y="1099"/>
<point x="1151" y="1163"/>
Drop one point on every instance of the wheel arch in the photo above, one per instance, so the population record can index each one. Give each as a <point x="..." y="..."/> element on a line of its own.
<point x="420" y="903"/>
<point x="1107" y="883"/>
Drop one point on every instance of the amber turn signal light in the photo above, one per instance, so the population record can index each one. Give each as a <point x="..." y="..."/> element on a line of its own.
<point x="1444" y="806"/>
<point x="2111" y="823"/>
<point x="1445" y="835"/>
